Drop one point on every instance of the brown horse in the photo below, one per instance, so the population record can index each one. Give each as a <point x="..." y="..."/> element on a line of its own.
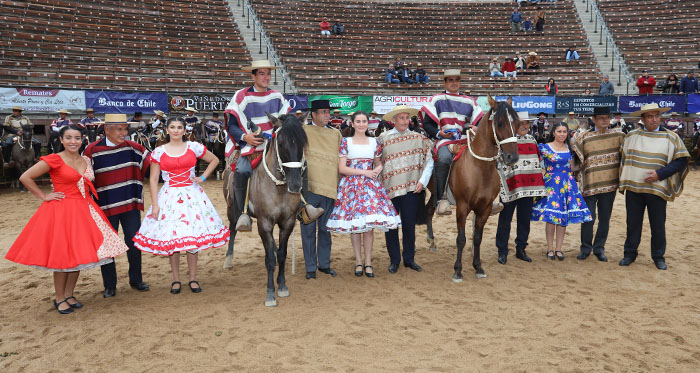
<point x="474" y="181"/>
<point x="274" y="198"/>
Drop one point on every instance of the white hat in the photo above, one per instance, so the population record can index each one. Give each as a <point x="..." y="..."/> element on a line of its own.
<point x="158" y="112"/>
<point x="398" y="110"/>
<point x="452" y="72"/>
<point x="190" y="108"/>
<point x="523" y="115"/>
<point x="259" y="64"/>
<point x="64" y="111"/>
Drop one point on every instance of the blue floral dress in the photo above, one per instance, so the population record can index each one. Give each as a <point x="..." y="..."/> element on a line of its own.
<point x="563" y="204"/>
<point x="362" y="203"/>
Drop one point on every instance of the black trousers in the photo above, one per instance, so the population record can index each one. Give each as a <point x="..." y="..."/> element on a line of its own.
<point x="636" y="203"/>
<point x="524" y="206"/>
<point x="407" y="208"/>
<point x="131" y="222"/>
<point x="604" y="203"/>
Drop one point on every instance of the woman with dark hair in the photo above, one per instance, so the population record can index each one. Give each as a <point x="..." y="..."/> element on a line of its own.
<point x="69" y="232"/>
<point x="563" y="204"/>
<point x="181" y="217"/>
<point x="672" y="85"/>
<point x="551" y="87"/>
<point x="362" y="204"/>
<point x="539" y="19"/>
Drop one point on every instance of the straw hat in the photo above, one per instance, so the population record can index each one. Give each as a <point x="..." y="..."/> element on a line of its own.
<point x="259" y="64"/>
<point x="16" y="108"/>
<point x="89" y="110"/>
<point x="190" y="108"/>
<point x="63" y="111"/>
<point x="336" y="111"/>
<point x="571" y="113"/>
<point x="299" y="112"/>
<point x="115" y="119"/>
<point x="532" y="53"/>
<point x="419" y="64"/>
<point x="649" y="107"/>
<point x="673" y="113"/>
<point x="452" y="72"/>
<point x="158" y="112"/>
<point x="398" y="110"/>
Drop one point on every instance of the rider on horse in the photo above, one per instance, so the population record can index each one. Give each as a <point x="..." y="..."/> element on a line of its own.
<point x="12" y="129"/>
<point x="192" y="122"/>
<point x="212" y="128"/>
<point x="446" y="116"/>
<point x="248" y="126"/>
<point x="56" y="126"/>
<point x="157" y="127"/>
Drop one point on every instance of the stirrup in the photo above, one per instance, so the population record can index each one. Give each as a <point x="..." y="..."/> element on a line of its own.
<point x="244" y="223"/>
<point x="496" y="207"/>
<point x="444" y="208"/>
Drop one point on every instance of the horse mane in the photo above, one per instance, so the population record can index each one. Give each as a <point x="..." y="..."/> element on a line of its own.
<point x="291" y="134"/>
<point x="504" y="110"/>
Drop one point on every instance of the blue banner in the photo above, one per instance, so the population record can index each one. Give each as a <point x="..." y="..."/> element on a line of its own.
<point x="531" y="104"/>
<point x="297" y="102"/>
<point x="630" y="104"/>
<point x="114" y="102"/>
<point x="584" y="104"/>
<point x="693" y="103"/>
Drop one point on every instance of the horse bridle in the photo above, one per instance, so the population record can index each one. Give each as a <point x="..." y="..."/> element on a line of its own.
<point x="280" y="164"/>
<point x="495" y="137"/>
<point x="20" y="141"/>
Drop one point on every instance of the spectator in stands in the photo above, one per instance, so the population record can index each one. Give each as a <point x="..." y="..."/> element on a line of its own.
<point x="521" y="3"/>
<point x="421" y="75"/>
<point x="671" y="85"/>
<point x="606" y="87"/>
<point x="398" y="63"/>
<point x="527" y="25"/>
<point x="689" y="84"/>
<point x="508" y="69"/>
<point x="390" y="75"/>
<point x="495" y="68"/>
<point x="646" y="83"/>
<point x="587" y="91"/>
<point x="405" y="74"/>
<point x="516" y="19"/>
<point x="325" y="27"/>
<point x="551" y="87"/>
<point x="539" y="19"/>
<point x="532" y="62"/>
<point x="338" y="28"/>
<point x="572" y="54"/>
<point x="519" y="62"/>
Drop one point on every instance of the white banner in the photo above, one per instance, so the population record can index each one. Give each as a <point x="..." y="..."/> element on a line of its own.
<point x="384" y="104"/>
<point x="41" y="99"/>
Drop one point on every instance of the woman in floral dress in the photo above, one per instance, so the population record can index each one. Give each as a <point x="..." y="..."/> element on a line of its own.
<point x="563" y="203"/>
<point x="362" y="204"/>
<point x="181" y="217"/>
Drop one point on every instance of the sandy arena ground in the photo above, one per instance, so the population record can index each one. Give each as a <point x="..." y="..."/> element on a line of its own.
<point x="540" y="316"/>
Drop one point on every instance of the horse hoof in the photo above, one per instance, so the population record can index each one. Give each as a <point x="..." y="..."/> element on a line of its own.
<point x="271" y="303"/>
<point x="228" y="262"/>
<point x="433" y="247"/>
<point x="457" y="279"/>
<point x="481" y="275"/>
<point x="283" y="292"/>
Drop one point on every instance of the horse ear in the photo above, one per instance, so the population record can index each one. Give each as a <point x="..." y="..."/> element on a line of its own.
<point x="274" y="120"/>
<point x="492" y="102"/>
<point x="510" y="100"/>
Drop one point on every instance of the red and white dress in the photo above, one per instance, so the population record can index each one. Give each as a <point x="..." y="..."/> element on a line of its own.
<point x="362" y="203"/>
<point x="188" y="221"/>
<point x="71" y="234"/>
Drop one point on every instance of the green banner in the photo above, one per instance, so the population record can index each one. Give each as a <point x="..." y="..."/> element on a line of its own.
<point x="346" y="104"/>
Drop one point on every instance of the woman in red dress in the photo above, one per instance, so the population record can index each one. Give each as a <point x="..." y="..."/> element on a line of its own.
<point x="69" y="232"/>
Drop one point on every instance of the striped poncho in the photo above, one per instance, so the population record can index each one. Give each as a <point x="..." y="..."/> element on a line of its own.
<point x="452" y="112"/>
<point x="524" y="178"/>
<point x="599" y="152"/>
<point x="645" y="151"/>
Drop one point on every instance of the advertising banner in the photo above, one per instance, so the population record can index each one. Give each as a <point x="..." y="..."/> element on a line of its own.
<point x="346" y="104"/>
<point x="115" y="102"/>
<point x="531" y="104"/>
<point x="384" y="104"/>
<point x="202" y="102"/>
<point x="629" y="104"/>
<point x="297" y="102"/>
<point x="693" y="103"/>
<point x="584" y="104"/>
<point x="41" y="99"/>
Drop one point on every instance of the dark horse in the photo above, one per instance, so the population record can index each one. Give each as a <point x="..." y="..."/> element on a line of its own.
<point x="218" y="147"/>
<point x="91" y="136"/>
<point x="474" y="181"/>
<point x="275" y="193"/>
<point x="23" y="152"/>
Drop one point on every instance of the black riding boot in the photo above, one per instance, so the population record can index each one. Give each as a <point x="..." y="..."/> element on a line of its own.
<point x="6" y="152"/>
<point x="37" y="150"/>
<point x="442" y="171"/>
<point x="240" y="187"/>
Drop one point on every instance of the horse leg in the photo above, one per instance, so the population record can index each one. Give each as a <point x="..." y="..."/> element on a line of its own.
<point x="265" y="227"/>
<point x="431" y="236"/>
<point x="228" y="261"/>
<point x="285" y="232"/>
<point x="479" y="222"/>
<point x="462" y="213"/>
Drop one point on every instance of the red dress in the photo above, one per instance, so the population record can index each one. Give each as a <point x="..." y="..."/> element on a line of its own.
<point x="71" y="234"/>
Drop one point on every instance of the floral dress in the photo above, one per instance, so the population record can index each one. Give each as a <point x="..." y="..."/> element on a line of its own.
<point x="362" y="203"/>
<point x="563" y="204"/>
<point x="188" y="221"/>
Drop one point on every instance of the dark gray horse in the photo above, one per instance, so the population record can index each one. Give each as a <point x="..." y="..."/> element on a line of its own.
<point x="23" y="153"/>
<point x="218" y="148"/>
<point x="275" y="193"/>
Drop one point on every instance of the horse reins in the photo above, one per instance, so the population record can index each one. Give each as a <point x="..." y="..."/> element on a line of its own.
<point x="495" y="137"/>
<point x="280" y="163"/>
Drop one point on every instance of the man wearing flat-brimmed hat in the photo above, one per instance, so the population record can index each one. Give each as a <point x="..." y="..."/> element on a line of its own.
<point x="598" y="150"/>
<point x="674" y="123"/>
<point x="157" y="124"/>
<point x="192" y="122"/>
<point x="12" y="128"/>
<point x="56" y="125"/>
<point x="321" y="188"/>
<point x="421" y="75"/>
<point x="653" y="167"/>
<point x="408" y="166"/>
<point x="571" y="121"/>
<point x="446" y="116"/>
<point x="90" y="120"/>
<point x="336" y="120"/>
<point x="119" y="166"/>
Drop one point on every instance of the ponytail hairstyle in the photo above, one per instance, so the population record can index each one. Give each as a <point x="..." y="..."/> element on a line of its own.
<point x="352" y="120"/>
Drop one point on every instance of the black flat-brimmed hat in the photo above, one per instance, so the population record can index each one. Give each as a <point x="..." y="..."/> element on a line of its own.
<point x="601" y="110"/>
<point x="320" y="104"/>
